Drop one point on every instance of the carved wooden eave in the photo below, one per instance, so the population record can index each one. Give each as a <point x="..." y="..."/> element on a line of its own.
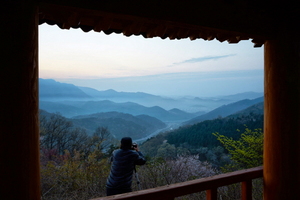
<point x="223" y="20"/>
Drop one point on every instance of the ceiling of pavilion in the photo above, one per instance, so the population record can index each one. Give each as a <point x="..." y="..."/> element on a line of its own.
<point x="224" y="20"/>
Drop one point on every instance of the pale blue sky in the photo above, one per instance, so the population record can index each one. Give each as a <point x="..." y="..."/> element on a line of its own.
<point x="135" y="64"/>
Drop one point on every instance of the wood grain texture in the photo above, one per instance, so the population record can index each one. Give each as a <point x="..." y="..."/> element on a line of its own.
<point x="19" y="128"/>
<point x="282" y="119"/>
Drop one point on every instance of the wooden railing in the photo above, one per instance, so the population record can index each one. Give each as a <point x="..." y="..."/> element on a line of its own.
<point x="208" y="184"/>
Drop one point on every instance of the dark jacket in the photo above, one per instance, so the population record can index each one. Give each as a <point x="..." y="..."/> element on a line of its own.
<point x="123" y="164"/>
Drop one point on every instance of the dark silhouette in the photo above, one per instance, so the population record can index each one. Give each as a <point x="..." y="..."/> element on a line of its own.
<point x="123" y="165"/>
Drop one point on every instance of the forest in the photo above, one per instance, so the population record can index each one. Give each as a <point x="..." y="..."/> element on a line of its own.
<point x="198" y="139"/>
<point x="75" y="165"/>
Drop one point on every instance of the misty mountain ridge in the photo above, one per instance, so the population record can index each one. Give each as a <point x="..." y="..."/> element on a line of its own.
<point x="53" y="90"/>
<point x="111" y="94"/>
<point x="242" y="96"/>
<point x="122" y="113"/>
<point x="256" y="109"/>
<point x="63" y="93"/>
<point x="75" y="108"/>
<point x="226" y="110"/>
<point x="119" y="124"/>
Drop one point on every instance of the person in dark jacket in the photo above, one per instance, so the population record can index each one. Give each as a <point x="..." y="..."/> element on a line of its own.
<point x="123" y="164"/>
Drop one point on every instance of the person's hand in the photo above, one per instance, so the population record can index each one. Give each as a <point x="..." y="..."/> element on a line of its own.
<point x="136" y="148"/>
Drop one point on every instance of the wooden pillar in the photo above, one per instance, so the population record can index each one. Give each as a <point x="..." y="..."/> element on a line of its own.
<point x="212" y="194"/>
<point x="282" y="117"/>
<point x="247" y="190"/>
<point x="19" y="134"/>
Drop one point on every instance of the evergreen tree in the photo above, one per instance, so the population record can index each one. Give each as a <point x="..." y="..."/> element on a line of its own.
<point x="246" y="152"/>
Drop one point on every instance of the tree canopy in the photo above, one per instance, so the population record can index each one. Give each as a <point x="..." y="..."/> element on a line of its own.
<point x="246" y="152"/>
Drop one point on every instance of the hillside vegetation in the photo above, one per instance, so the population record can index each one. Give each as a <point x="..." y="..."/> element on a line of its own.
<point x="198" y="139"/>
<point x="75" y="165"/>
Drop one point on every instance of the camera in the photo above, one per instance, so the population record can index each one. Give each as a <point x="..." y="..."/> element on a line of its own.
<point x="134" y="145"/>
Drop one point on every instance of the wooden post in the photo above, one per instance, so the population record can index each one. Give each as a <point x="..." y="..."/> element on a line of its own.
<point x="19" y="134"/>
<point x="212" y="194"/>
<point x="247" y="190"/>
<point x="282" y="117"/>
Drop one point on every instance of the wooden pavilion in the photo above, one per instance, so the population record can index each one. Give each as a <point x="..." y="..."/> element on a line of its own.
<point x="271" y="24"/>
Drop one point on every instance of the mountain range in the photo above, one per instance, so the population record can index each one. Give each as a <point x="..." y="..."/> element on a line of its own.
<point x="127" y="113"/>
<point x="71" y="100"/>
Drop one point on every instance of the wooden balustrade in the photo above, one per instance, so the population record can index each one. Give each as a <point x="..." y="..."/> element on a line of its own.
<point x="208" y="184"/>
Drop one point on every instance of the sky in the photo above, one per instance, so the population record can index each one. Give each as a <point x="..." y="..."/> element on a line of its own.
<point x="153" y="65"/>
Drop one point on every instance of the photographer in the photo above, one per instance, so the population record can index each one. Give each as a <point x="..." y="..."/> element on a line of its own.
<point x="123" y="164"/>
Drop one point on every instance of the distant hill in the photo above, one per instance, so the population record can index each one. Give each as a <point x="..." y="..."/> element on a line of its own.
<point x="120" y="124"/>
<point x="51" y="90"/>
<point x="257" y="109"/>
<point x="224" y="110"/>
<point x="71" y="109"/>
<point x="244" y="95"/>
<point x="112" y="94"/>
<point x="194" y="137"/>
<point x="59" y="107"/>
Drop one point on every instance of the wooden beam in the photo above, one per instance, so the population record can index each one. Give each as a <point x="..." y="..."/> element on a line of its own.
<point x="282" y="116"/>
<point x="180" y="19"/>
<point x="19" y="134"/>
<point x="237" y="16"/>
